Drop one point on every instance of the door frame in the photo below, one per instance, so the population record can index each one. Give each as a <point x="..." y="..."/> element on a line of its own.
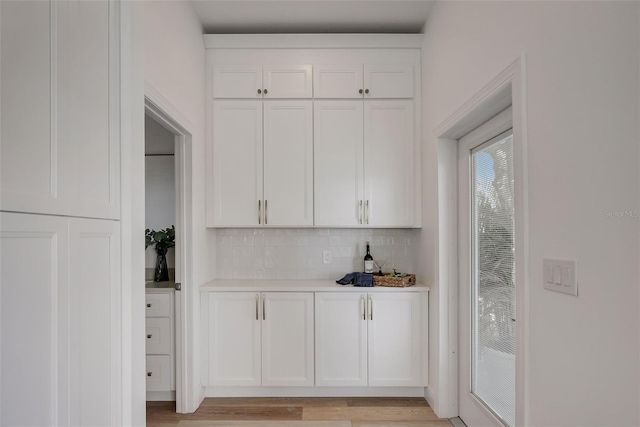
<point x="507" y="88"/>
<point x="187" y="384"/>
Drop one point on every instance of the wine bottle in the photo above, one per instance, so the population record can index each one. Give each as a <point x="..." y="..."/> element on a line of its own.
<point x="368" y="261"/>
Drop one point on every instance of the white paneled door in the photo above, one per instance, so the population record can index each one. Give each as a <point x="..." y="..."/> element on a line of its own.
<point x="287" y="81"/>
<point x="288" y="163"/>
<point x="388" y="81"/>
<point x="60" y="324"/>
<point x="395" y="330"/>
<point x="338" y="163"/>
<point x="234" y="339"/>
<point x="237" y="81"/>
<point x="388" y="158"/>
<point x="237" y="160"/>
<point x="60" y="132"/>
<point x="287" y="339"/>
<point x="341" y="339"/>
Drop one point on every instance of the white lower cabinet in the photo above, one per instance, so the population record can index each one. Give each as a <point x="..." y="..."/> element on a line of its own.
<point x="260" y="339"/>
<point x="160" y="344"/>
<point x="370" y="339"/>
<point x="302" y="339"/>
<point x="287" y="339"/>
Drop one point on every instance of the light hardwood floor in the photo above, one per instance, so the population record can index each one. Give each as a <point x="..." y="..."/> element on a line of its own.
<point x="299" y="412"/>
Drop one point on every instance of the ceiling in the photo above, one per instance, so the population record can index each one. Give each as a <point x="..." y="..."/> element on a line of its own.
<point x="312" y="16"/>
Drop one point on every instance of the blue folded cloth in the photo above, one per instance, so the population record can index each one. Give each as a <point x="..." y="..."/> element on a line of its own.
<point x="364" y="280"/>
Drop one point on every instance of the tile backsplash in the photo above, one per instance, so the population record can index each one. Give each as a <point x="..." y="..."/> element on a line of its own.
<point x="297" y="253"/>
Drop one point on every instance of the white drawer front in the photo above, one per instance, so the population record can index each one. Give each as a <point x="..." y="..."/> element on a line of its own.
<point x="158" y="373"/>
<point x="158" y="305"/>
<point x="158" y="336"/>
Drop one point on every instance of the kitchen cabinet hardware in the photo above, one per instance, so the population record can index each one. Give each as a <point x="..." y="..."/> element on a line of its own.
<point x="149" y="336"/>
<point x="366" y="91"/>
<point x="257" y="302"/>
<point x="360" y="91"/>
<point x="370" y="308"/>
<point x="259" y="211"/>
<point x="149" y="374"/>
<point x="360" y="212"/>
<point x="265" y="92"/>
<point x="259" y="91"/>
<point x="264" y="307"/>
<point x="148" y="305"/>
<point x="364" y="307"/>
<point x="265" y="212"/>
<point x="366" y="214"/>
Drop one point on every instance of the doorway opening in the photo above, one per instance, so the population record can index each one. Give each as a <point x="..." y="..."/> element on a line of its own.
<point x="168" y="215"/>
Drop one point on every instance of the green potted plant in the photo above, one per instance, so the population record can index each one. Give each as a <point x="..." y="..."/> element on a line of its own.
<point x="163" y="241"/>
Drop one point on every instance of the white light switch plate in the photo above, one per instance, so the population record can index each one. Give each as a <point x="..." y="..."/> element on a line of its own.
<point x="560" y="276"/>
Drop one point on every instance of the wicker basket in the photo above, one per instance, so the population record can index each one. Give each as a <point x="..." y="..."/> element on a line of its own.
<point x="396" y="282"/>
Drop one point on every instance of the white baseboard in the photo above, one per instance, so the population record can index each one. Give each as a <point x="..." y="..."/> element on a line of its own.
<point x="428" y="395"/>
<point x="314" y="392"/>
<point x="161" y="396"/>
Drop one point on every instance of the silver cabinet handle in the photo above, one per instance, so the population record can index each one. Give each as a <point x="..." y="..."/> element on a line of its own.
<point x="257" y="302"/>
<point x="364" y="307"/>
<point x="259" y="211"/>
<point x="366" y="216"/>
<point x="264" y="307"/>
<point x="360" y="212"/>
<point x="265" y="212"/>
<point x="370" y="308"/>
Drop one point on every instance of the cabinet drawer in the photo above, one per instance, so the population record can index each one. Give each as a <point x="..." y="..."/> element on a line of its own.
<point x="158" y="373"/>
<point x="158" y="305"/>
<point x="158" y="336"/>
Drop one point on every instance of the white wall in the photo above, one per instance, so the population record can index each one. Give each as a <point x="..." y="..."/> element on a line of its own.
<point x="582" y="64"/>
<point x="174" y="66"/>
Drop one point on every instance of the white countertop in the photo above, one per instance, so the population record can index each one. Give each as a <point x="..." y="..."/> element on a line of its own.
<point x="230" y="285"/>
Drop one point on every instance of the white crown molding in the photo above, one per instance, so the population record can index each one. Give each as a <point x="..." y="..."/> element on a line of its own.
<point x="313" y="41"/>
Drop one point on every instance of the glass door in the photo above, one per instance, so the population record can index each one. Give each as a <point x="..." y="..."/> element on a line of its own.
<point x="487" y="328"/>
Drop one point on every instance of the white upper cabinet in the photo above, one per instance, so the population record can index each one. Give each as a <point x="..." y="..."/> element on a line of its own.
<point x="338" y="81"/>
<point x="339" y="162"/>
<point x="257" y="81"/>
<point x="288" y="163"/>
<point x="59" y="81"/>
<point x="287" y="81"/>
<point x="287" y="339"/>
<point x="388" y="156"/>
<point x="237" y="81"/>
<point x="388" y="81"/>
<point x="237" y="163"/>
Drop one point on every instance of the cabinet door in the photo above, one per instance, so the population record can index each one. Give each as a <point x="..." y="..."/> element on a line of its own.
<point x="338" y="163"/>
<point x="287" y="339"/>
<point x="388" y="157"/>
<point x="60" y="136"/>
<point x="394" y="331"/>
<point x="237" y="81"/>
<point x="287" y="81"/>
<point x="33" y="325"/>
<point x="288" y="163"/>
<point x="158" y="335"/>
<point x="237" y="160"/>
<point x="338" y="81"/>
<point x="158" y="370"/>
<point x="94" y="319"/>
<point x="341" y="339"/>
<point x="234" y="339"/>
<point x="388" y="81"/>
